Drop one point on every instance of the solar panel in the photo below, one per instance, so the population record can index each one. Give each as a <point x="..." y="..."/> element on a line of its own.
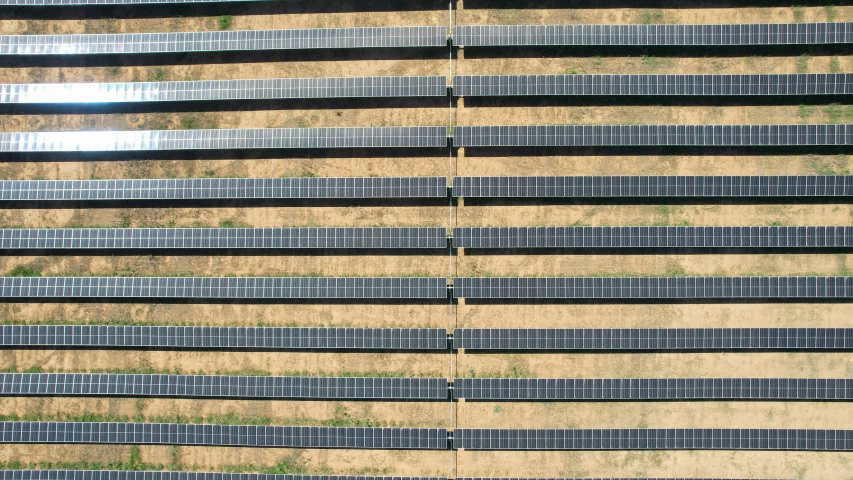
<point x="224" y="435"/>
<point x="238" y="40"/>
<point x="653" y="439"/>
<point x="638" y="35"/>
<point x="155" y="475"/>
<point x="655" y="186"/>
<point x="651" y="135"/>
<point x="652" y="339"/>
<point x="209" y="90"/>
<point x="220" y="338"/>
<point x="224" y="188"/>
<point x="654" y="287"/>
<point x="143" y="140"/>
<point x="223" y="287"/>
<point x="221" y="386"/>
<point x="691" y="85"/>
<point x="652" y="237"/>
<point x="621" y="389"/>
<point x="223" y="238"/>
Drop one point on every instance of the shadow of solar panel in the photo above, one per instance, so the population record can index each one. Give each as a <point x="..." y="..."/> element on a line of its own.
<point x="653" y="287"/>
<point x="223" y="188"/>
<point x="639" y="35"/>
<point x="212" y="90"/>
<point x="652" y="237"/>
<point x="223" y="287"/>
<point x="221" y="386"/>
<point x="689" y="85"/>
<point x="224" y="435"/>
<point x="251" y="138"/>
<point x="651" y="135"/>
<point x="224" y="238"/>
<point x="155" y="475"/>
<point x="655" y="186"/>
<point x="646" y="389"/>
<point x="653" y="439"/>
<point x="241" y="40"/>
<point x="652" y="339"/>
<point x="247" y="338"/>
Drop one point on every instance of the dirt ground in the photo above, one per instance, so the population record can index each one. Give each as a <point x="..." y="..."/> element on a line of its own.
<point x="300" y="14"/>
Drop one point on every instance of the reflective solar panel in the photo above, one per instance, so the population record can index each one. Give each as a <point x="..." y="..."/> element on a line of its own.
<point x="223" y="188"/>
<point x="209" y="90"/>
<point x="651" y="135"/>
<point x="223" y="238"/>
<point x="654" y="287"/>
<point x="224" y="435"/>
<point x="628" y="35"/>
<point x="652" y="339"/>
<point x="689" y="85"/>
<point x="655" y="186"/>
<point x="250" y="138"/>
<point x="156" y="475"/>
<point x="221" y="338"/>
<point x="652" y="237"/>
<point x="237" y="40"/>
<point x="653" y="439"/>
<point x="223" y="287"/>
<point x="645" y="389"/>
<point x="221" y="386"/>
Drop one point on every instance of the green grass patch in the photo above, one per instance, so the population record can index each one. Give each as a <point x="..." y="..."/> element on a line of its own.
<point x="23" y="271"/>
<point x="831" y="13"/>
<point x="803" y="63"/>
<point x="805" y="111"/>
<point x="648" y="17"/>
<point x="834" y="65"/>
<point x="799" y="13"/>
<point x="159" y="74"/>
<point x="224" y="22"/>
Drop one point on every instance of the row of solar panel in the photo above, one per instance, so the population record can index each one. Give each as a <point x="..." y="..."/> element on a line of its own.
<point x="436" y="339"/>
<point x="653" y="287"/>
<point x="225" y="287"/>
<point x="159" y="475"/>
<point x="224" y="238"/>
<point x="222" y="386"/>
<point x="674" y="288"/>
<point x="430" y="36"/>
<point x="428" y="187"/>
<point x="427" y="438"/>
<point x="429" y="137"/>
<point x="385" y="87"/>
<point x="426" y="238"/>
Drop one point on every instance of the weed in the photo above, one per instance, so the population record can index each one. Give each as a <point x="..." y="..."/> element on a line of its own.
<point x="307" y="174"/>
<point x="662" y="210"/>
<point x="676" y="271"/>
<point x="648" y="17"/>
<point x="834" y="65"/>
<point x="22" y="271"/>
<point x="224" y="22"/>
<point x="775" y="223"/>
<point x="232" y="224"/>
<point x="498" y="410"/>
<point x="208" y="173"/>
<point x="124" y="222"/>
<point x="190" y="122"/>
<point x="799" y="13"/>
<point x="158" y="75"/>
<point x="113" y="70"/>
<point x="805" y="111"/>
<point x="803" y="63"/>
<point x="831" y="13"/>
<point x="833" y="113"/>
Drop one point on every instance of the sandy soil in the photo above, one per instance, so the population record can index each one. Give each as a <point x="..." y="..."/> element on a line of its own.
<point x="656" y="165"/>
<point x="653" y="316"/>
<point x="654" y="415"/>
<point x="654" y="16"/>
<point x="595" y="215"/>
<point x="321" y="315"/>
<point x="272" y="363"/>
<point x="271" y="412"/>
<point x="657" y="365"/>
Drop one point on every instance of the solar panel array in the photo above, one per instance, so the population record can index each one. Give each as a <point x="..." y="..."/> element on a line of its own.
<point x="651" y="135"/>
<point x="224" y="238"/>
<point x="654" y="287"/>
<point x="223" y="287"/>
<point x="233" y="138"/>
<point x="523" y="389"/>
<point x="637" y="35"/>
<point x="224" y="188"/>
<point x="157" y="475"/>
<point x="221" y="386"/>
<point x="652" y="237"/>
<point x="653" y="339"/>
<point x="773" y="84"/>
<point x="238" y="40"/>
<point x="653" y="439"/>
<point x="655" y="186"/>
<point x="224" y="435"/>
<point x="249" y="338"/>
<point x="262" y="89"/>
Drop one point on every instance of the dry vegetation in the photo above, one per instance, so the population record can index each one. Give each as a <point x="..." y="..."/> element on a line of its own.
<point x="509" y="415"/>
